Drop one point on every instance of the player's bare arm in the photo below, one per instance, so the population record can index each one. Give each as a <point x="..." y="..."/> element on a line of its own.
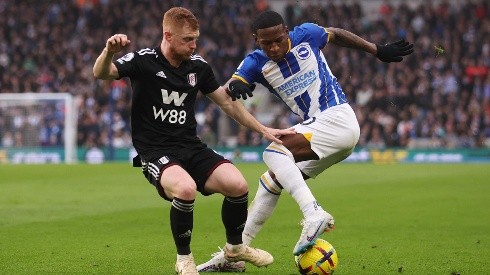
<point x="103" y="67"/>
<point x="391" y="52"/>
<point x="238" y="112"/>
<point x="343" y="38"/>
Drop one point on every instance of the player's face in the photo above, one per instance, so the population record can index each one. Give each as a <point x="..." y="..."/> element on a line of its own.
<point x="184" y="41"/>
<point x="274" y="41"/>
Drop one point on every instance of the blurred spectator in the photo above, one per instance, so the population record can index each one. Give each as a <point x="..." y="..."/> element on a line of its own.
<point x="439" y="96"/>
<point x="208" y="136"/>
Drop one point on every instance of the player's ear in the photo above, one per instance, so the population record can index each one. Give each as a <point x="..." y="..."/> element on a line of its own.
<point x="256" y="40"/>
<point x="167" y="35"/>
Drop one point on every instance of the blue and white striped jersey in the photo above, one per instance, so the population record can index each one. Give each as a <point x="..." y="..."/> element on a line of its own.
<point x="302" y="79"/>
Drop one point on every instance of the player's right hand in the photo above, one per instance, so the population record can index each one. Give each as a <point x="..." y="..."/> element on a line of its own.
<point x="117" y="43"/>
<point x="240" y="89"/>
<point x="394" y="52"/>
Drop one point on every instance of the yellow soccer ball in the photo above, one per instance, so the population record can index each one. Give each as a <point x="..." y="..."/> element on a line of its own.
<point x="320" y="259"/>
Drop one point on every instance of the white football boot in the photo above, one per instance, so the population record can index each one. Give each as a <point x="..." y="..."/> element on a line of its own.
<point x="313" y="227"/>
<point x="242" y="252"/>
<point x="186" y="266"/>
<point x="218" y="263"/>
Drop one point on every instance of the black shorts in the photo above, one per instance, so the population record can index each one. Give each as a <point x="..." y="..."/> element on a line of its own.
<point x="198" y="161"/>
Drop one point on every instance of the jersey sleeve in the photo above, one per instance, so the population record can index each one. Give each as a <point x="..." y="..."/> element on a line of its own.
<point x="127" y="65"/>
<point x="312" y="33"/>
<point x="209" y="83"/>
<point x="248" y="69"/>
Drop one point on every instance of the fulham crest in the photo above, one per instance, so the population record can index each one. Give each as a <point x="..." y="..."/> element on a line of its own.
<point x="191" y="78"/>
<point x="164" y="160"/>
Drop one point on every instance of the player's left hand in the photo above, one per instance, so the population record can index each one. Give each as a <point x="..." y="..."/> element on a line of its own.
<point x="239" y="89"/>
<point x="273" y="135"/>
<point x="394" y="52"/>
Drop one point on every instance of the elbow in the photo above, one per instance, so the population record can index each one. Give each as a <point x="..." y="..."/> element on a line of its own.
<point x="100" y="75"/>
<point x="102" y="72"/>
<point x="96" y="73"/>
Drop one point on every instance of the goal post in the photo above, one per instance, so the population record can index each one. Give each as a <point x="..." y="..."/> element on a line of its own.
<point x="37" y="128"/>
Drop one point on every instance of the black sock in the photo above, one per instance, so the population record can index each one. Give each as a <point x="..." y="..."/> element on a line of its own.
<point x="181" y="222"/>
<point x="234" y="215"/>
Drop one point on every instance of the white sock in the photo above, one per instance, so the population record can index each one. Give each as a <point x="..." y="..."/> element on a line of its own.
<point x="281" y="162"/>
<point x="261" y="208"/>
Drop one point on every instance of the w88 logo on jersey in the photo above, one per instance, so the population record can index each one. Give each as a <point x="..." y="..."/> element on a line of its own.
<point x="172" y="116"/>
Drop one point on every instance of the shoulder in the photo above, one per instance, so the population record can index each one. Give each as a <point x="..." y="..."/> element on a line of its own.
<point x="142" y="54"/>
<point x="257" y="59"/>
<point x="199" y="62"/>
<point x="147" y="52"/>
<point x="250" y="68"/>
<point x="308" y="32"/>
<point x="198" y="59"/>
<point x="308" y="28"/>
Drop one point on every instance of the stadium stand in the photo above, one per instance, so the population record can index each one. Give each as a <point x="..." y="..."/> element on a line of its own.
<point x="438" y="97"/>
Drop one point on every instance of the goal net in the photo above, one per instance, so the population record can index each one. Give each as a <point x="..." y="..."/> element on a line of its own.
<point x="37" y="128"/>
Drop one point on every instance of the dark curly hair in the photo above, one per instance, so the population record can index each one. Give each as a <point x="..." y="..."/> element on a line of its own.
<point x="266" y="19"/>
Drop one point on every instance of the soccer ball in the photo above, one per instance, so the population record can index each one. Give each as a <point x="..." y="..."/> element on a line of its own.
<point x="320" y="259"/>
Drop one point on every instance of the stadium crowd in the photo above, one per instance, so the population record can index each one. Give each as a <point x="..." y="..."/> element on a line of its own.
<point x="437" y="97"/>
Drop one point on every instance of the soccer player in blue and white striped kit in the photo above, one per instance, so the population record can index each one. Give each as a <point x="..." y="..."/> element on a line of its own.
<point x="291" y="65"/>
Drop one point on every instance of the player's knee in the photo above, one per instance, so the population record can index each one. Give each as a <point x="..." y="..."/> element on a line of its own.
<point x="186" y="191"/>
<point x="267" y="154"/>
<point x="234" y="188"/>
<point x="240" y="188"/>
<point x="272" y="151"/>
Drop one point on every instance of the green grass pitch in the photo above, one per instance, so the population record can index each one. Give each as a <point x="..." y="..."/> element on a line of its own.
<point x="390" y="219"/>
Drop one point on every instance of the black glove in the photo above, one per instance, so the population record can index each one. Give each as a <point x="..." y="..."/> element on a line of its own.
<point x="239" y="89"/>
<point x="393" y="52"/>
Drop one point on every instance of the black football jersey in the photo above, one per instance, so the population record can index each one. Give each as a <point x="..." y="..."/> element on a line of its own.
<point x="163" y="99"/>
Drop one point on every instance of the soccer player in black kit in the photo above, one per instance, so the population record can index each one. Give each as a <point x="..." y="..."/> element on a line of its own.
<point x="165" y="81"/>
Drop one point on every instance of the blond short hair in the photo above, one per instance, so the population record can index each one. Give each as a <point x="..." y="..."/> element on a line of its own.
<point x="177" y="17"/>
